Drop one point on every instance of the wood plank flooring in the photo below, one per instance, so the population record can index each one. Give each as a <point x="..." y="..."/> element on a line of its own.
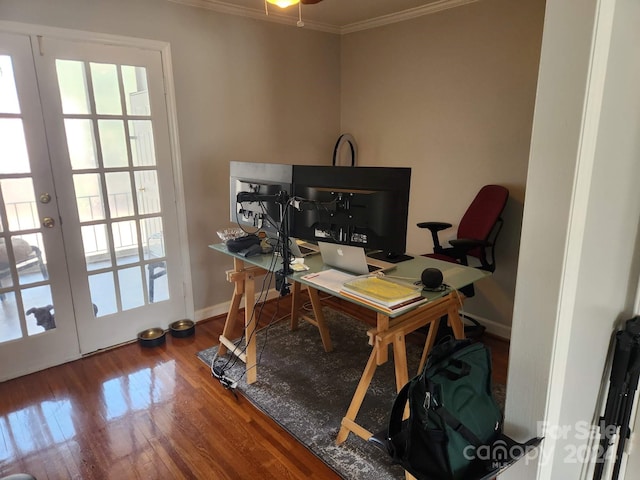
<point x="153" y="413"/>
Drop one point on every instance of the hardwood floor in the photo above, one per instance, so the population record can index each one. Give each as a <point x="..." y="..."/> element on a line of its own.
<point x="153" y="413"/>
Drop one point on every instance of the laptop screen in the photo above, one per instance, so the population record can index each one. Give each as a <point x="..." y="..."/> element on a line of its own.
<point x="346" y="257"/>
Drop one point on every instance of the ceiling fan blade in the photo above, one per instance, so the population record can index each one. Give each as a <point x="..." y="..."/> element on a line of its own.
<point x="309" y="2"/>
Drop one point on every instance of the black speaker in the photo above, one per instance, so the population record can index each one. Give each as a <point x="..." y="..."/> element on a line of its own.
<point x="431" y="278"/>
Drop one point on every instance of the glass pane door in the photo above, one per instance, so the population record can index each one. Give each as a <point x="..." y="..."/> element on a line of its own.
<point x="37" y="326"/>
<point x="109" y="135"/>
<point x="106" y="106"/>
<point x="89" y="246"/>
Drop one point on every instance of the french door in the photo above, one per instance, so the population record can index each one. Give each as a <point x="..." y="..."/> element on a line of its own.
<point x="90" y="252"/>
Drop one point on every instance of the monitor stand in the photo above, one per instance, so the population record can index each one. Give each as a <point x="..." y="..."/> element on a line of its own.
<point x="390" y="257"/>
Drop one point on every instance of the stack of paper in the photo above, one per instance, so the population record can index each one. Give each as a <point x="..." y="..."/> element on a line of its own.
<point x="330" y="279"/>
<point x="383" y="293"/>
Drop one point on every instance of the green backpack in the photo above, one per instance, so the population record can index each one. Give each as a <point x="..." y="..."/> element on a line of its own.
<point x="452" y="412"/>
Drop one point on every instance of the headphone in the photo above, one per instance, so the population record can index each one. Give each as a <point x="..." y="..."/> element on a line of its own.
<point x="431" y="279"/>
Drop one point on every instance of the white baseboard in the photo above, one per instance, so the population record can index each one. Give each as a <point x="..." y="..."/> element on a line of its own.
<point x="494" y="328"/>
<point x="223" y="308"/>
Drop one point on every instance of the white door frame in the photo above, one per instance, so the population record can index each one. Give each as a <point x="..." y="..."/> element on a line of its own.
<point x="578" y="260"/>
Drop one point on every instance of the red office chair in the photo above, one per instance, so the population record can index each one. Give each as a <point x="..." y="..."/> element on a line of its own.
<point x="477" y="232"/>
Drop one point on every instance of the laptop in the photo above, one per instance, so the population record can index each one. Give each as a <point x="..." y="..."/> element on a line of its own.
<point x="351" y="259"/>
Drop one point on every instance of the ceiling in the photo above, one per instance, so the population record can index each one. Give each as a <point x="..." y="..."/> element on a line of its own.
<point x="335" y="16"/>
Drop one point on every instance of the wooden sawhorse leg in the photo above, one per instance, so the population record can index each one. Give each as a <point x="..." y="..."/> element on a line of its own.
<point x="395" y="334"/>
<point x="319" y="320"/>
<point x="244" y="285"/>
<point x="454" y="321"/>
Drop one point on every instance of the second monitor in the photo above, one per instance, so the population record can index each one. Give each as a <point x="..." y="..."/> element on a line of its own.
<point x="362" y="206"/>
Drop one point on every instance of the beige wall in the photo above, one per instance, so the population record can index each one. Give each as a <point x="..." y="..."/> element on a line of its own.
<point x="245" y="90"/>
<point x="451" y="95"/>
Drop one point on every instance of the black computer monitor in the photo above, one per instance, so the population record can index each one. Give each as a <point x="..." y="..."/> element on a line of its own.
<point x="264" y="189"/>
<point x="362" y="206"/>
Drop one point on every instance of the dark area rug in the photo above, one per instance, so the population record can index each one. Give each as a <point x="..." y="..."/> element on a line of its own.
<point x="307" y="391"/>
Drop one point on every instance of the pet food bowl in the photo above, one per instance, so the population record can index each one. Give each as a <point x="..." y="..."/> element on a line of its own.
<point x="151" y="337"/>
<point x="182" y="328"/>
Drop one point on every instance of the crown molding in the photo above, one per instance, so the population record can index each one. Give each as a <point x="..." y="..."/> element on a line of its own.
<point x="404" y="15"/>
<point x="259" y="14"/>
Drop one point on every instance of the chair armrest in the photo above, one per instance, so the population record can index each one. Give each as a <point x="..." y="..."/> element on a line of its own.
<point x="463" y="246"/>
<point x="467" y="244"/>
<point x="434" y="226"/>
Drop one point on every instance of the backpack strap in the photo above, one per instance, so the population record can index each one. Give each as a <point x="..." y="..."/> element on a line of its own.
<point x="395" y="420"/>
<point x="458" y="426"/>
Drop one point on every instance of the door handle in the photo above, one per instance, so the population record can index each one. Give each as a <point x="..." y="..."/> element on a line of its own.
<point x="48" y="222"/>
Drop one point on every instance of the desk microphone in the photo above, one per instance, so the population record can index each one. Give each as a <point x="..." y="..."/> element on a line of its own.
<point x="431" y="278"/>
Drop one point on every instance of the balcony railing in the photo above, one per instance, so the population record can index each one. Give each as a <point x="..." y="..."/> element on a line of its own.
<point x="24" y="216"/>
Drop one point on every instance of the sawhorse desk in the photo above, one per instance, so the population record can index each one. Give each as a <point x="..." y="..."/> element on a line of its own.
<point x="390" y="329"/>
